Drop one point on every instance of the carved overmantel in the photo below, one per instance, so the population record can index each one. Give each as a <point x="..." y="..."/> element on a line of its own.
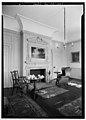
<point x="37" y="41"/>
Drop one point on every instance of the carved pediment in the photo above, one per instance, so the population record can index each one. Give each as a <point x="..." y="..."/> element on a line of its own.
<point x="37" y="40"/>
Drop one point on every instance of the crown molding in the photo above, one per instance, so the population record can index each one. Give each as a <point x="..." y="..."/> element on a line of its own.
<point x="37" y="22"/>
<point x="9" y="16"/>
<point x="36" y="34"/>
<point x="11" y="31"/>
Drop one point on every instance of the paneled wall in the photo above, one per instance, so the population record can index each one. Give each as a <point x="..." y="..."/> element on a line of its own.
<point x="15" y="51"/>
<point x="12" y="54"/>
<point x="76" y="67"/>
<point x="76" y="73"/>
<point x="59" y="58"/>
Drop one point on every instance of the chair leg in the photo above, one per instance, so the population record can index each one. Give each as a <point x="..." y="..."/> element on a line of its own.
<point x="17" y="89"/>
<point x="57" y="82"/>
<point x="21" y="91"/>
<point x="13" y="90"/>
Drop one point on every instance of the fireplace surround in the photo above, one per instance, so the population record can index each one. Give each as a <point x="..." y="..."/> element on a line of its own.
<point x="42" y="70"/>
<point x="37" y="72"/>
<point x="36" y="65"/>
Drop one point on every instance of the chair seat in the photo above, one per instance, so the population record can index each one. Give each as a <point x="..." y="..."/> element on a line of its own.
<point x="64" y="80"/>
<point x="16" y="85"/>
<point x="21" y="84"/>
<point x="64" y="76"/>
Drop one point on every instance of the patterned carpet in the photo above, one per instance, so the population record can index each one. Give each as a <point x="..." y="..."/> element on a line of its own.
<point x="73" y="108"/>
<point x="75" y="83"/>
<point x="23" y="106"/>
<point x="42" y="85"/>
<point x="51" y="92"/>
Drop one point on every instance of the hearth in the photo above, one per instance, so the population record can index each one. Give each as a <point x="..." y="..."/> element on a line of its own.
<point x="37" y="72"/>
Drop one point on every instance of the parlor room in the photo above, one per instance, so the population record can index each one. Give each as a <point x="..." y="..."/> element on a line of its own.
<point x="42" y="60"/>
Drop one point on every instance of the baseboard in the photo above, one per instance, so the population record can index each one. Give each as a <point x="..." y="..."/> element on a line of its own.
<point x="7" y="91"/>
<point x="75" y="78"/>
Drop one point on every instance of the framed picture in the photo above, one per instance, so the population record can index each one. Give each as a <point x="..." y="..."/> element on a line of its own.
<point x="75" y="56"/>
<point x="38" y="53"/>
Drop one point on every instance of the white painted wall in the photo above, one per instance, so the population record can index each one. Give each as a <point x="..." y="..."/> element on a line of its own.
<point x="76" y="67"/>
<point x="59" y="57"/>
<point x="75" y="48"/>
<point x="74" y="34"/>
<point x="75" y="73"/>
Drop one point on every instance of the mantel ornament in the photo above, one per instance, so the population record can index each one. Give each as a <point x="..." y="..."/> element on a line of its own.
<point x="35" y="39"/>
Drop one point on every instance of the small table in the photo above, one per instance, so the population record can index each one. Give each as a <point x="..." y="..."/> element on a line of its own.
<point x="34" y="81"/>
<point x="57" y="80"/>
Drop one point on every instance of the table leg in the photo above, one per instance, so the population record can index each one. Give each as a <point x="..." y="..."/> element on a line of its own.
<point x="34" y="86"/>
<point x="57" y="81"/>
<point x="27" y="88"/>
<point x="34" y="90"/>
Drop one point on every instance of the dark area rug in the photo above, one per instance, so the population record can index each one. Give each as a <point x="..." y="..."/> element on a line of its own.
<point x="73" y="108"/>
<point x="51" y="92"/>
<point x="23" y="106"/>
<point x="52" y="105"/>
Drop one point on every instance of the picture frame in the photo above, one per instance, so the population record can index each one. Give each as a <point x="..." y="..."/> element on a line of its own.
<point x="38" y="53"/>
<point x="75" y="57"/>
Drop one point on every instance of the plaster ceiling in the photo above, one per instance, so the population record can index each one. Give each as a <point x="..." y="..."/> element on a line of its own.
<point x="51" y="15"/>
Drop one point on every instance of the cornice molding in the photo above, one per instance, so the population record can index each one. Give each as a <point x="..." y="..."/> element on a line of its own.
<point x="37" y="22"/>
<point x="73" y="41"/>
<point x="36" y="34"/>
<point x="11" y="31"/>
<point x="9" y="16"/>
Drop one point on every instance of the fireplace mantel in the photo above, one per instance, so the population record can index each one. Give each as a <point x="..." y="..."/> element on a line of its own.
<point x="38" y="42"/>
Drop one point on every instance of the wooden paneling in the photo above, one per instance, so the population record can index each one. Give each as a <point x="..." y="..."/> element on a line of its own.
<point x="75" y="73"/>
<point x="11" y="48"/>
<point x="6" y="65"/>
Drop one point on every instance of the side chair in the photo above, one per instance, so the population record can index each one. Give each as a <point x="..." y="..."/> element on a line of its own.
<point x="18" y="81"/>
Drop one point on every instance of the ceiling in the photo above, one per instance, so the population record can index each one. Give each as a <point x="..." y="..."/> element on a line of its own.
<point x="51" y="15"/>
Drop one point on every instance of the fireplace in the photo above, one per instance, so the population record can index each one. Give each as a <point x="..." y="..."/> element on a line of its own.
<point x="37" y="72"/>
<point x="36" y="62"/>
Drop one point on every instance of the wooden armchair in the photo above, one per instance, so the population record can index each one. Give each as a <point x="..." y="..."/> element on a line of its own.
<point x="18" y="81"/>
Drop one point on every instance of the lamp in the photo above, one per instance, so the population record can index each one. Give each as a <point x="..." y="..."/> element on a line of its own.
<point x="64" y="44"/>
<point x="72" y="44"/>
<point x="57" y="45"/>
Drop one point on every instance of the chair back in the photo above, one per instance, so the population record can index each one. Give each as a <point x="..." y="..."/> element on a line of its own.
<point x="15" y="76"/>
<point x="66" y="71"/>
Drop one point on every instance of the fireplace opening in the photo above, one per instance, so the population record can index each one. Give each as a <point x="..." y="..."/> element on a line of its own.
<point x="37" y="72"/>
